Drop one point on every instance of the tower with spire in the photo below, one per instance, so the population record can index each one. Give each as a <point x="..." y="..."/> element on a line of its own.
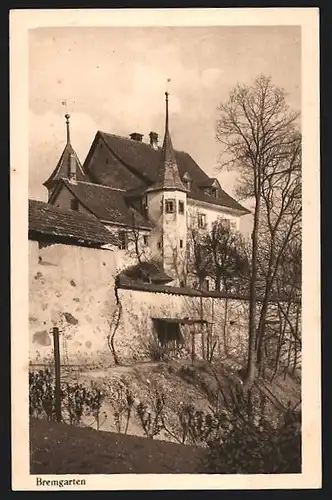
<point x="68" y="167"/>
<point x="167" y="207"/>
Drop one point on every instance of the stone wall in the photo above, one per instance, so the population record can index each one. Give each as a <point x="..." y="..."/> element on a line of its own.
<point x="139" y="307"/>
<point x="74" y="288"/>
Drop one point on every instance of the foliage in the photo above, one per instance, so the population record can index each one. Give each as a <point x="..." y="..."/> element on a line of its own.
<point x="239" y="432"/>
<point x="197" y="426"/>
<point x="251" y="440"/>
<point x="250" y="449"/>
<point x="76" y="401"/>
<point x="221" y="254"/>
<point x="122" y="401"/>
<point x="150" y="416"/>
<point x="42" y="394"/>
<point x="229" y="264"/>
<point x="155" y="350"/>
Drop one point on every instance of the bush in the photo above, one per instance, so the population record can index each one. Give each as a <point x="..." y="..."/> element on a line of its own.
<point x="151" y="416"/>
<point x="76" y="400"/>
<point x="42" y="394"/>
<point x="198" y="427"/>
<point x="248" y="449"/>
<point x="155" y="350"/>
<point x="122" y="401"/>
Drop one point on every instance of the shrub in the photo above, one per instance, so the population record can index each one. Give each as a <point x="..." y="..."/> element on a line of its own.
<point x="151" y="417"/>
<point x="251" y="449"/>
<point x="250" y="442"/>
<point x="198" y="427"/>
<point x="122" y="401"/>
<point x="155" y="350"/>
<point x="42" y="394"/>
<point x="76" y="400"/>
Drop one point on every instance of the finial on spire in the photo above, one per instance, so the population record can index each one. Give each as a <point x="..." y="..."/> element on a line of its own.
<point x="67" y="116"/>
<point x="166" y="121"/>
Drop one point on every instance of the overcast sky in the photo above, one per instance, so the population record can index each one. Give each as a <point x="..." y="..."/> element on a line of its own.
<point x="114" y="79"/>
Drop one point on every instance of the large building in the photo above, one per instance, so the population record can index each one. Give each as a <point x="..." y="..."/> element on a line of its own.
<point x="148" y="196"/>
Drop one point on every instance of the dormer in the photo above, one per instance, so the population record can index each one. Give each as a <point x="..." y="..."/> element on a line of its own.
<point x="187" y="181"/>
<point x="211" y="187"/>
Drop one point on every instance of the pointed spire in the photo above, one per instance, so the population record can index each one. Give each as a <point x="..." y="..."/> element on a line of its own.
<point x="68" y="166"/>
<point x="168" y="173"/>
<point x="67" y="116"/>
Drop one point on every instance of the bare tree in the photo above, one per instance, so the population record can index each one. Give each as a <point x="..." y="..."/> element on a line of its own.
<point x="198" y="255"/>
<point x="281" y="218"/>
<point x="288" y="290"/>
<point x="256" y="128"/>
<point x="228" y="262"/>
<point x="136" y="246"/>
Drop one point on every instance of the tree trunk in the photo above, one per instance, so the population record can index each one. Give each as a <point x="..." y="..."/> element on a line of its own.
<point x="262" y="321"/>
<point x="225" y="328"/>
<point x="218" y="282"/>
<point x="251" y="363"/>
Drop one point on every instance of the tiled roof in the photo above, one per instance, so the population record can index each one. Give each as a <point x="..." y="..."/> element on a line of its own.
<point x="51" y="221"/>
<point x="62" y="170"/>
<point x="128" y="284"/>
<point x="107" y="204"/>
<point x="147" y="272"/>
<point x="142" y="160"/>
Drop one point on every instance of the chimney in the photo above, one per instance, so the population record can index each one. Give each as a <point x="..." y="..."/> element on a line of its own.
<point x="72" y="168"/>
<point x="135" y="136"/>
<point x="153" y="140"/>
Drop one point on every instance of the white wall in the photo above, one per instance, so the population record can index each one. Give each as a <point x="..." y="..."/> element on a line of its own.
<point x="195" y="208"/>
<point x="170" y="229"/>
<point x="73" y="288"/>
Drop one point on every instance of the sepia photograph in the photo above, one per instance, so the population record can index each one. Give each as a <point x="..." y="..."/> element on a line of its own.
<point x="165" y="246"/>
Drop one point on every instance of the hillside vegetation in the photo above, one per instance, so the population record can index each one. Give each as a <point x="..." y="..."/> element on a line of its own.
<point x="144" y="406"/>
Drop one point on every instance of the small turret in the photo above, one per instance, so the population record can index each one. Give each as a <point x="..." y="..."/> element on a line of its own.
<point x="68" y="167"/>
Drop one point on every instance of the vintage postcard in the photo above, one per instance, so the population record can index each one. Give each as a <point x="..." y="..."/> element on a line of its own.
<point x="165" y="245"/>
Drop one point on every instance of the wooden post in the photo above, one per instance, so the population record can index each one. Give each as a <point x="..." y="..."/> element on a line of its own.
<point x="203" y="340"/>
<point x="192" y="346"/>
<point x="57" y="374"/>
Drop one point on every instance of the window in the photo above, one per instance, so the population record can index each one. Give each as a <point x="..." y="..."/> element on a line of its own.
<point x="187" y="184"/>
<point x="159" y="245"/>
<point x="201" y="221"/>
<point x="214" y="192"/>
<point x="207" y="285"/>
<point x="181" y="243"/>
<point x="123" y="240"/>
<point x="144" y="204"/>
<point x="187" y="181"/>
<point x="74" y="204"/>
<point x="170" y="206"/>
<point x="181" y="207"/>
<point x="169" y="334"/>
<point x="145" y="239"/>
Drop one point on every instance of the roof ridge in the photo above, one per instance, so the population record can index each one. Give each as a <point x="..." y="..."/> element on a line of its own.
<point x="143" y="143"/>
<point x="127" y="139"/>
<point x="61" y="209"/>
<point x="98" y="185"/>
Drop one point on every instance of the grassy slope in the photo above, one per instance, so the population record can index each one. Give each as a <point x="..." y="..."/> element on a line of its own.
<point x="58" y="448"/>
<point x="61" y="449"/>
